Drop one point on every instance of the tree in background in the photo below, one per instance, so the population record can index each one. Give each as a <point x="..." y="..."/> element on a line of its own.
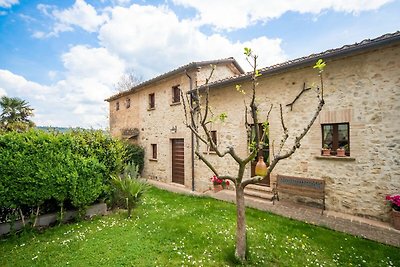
<point x="15" y="114"/>
<point x="199" y="118"/>
<point x="127" y="81"/>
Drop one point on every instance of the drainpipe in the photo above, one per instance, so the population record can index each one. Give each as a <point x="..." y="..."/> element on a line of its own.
<point x="192" y="134"/>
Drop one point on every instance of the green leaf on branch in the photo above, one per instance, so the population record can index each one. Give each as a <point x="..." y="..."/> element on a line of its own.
<point x="257" y="74"/>
<point x="239" y="89"/>
<point x="320" y="65"/>
<point x="223" y="116"/>
<point x="247" y="51"/>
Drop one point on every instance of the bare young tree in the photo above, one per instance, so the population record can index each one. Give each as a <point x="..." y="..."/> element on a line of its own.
<point x="127" y="80"/>
<point x="199" y="117"/>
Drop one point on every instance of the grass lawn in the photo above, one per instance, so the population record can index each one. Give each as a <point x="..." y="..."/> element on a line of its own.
<point x="175" y="230"/>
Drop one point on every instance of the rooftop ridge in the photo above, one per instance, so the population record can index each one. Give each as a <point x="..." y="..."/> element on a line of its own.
<point x="188" y="66"/>
<point x="330" y="53"/>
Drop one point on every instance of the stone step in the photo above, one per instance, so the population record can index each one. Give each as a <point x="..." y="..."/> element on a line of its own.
<point x="259" y="188"/>
<point x="260" y="193"/>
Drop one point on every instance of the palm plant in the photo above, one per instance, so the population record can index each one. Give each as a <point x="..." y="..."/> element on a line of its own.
<point x="15" y="114"/>
<point x="129" y="186"/>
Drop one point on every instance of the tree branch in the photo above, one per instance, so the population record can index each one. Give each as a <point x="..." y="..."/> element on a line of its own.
<point x="298" y="96"/>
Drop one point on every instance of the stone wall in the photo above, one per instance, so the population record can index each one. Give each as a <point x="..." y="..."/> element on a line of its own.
<point x="155" y="125"/>
<point x="363" y="90"/>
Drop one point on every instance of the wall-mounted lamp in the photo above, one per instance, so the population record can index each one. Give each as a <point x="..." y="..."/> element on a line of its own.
<point x="173" y="129"/>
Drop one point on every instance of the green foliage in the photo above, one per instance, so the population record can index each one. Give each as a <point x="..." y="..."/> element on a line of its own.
<point x="75" y="167"/>
<point x="223" y="116"/>
<point x="134" y="153"/>
<point x="129" y="187"/>
<point x="247" y="51"/>
<point x="320" y="65"/>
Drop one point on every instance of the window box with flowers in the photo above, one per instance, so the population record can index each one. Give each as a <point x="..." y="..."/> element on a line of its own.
<point x="394" y="202"/>
<point x="219" y="184"/>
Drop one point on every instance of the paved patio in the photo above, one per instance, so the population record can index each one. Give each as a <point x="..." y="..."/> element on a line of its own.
<point x="358" y="226"/>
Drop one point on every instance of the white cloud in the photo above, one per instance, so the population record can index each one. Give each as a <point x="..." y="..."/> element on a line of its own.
<point x="76" y="100"/>
<point x="2" y="92"/>
<point x="8" y="3"/>
<point x="153" y="40"/>
<point x="230" y="15"/>
<point x="81" y="14"/>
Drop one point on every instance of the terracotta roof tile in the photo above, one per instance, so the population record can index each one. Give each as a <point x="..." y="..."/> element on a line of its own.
<point x="328" y="54"/>
<point x="188" y="66"/>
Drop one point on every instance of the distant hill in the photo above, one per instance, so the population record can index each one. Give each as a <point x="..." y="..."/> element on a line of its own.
<point x="58" y="129"/>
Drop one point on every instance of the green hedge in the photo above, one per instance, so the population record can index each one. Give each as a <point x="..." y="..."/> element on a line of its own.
<point x="73" y="167"/>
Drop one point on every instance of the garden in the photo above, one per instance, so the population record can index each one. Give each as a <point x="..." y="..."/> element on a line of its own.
<point x="46" y="171"/>
<point x="168" y="229"/>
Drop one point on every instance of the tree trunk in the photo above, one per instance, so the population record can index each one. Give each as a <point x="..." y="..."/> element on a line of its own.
<point x="240" y="251"/>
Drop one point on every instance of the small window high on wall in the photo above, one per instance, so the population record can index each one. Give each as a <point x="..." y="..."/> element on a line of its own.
<point x="154" y="151"/>
<point x="152" y="101"/>
<point x="336" y="135"/>
<point x="176" y="94"/>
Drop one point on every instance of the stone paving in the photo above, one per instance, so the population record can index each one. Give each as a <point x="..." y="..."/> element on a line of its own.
<point x="358" y="226"/>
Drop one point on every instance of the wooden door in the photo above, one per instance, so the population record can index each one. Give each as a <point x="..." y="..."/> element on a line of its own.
<point x="178" y="161"/>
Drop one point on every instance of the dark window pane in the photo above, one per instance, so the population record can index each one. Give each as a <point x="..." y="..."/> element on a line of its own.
<point x="327" y="136"/>
<point x="152" y="100"/>
<point x="154" y="151"/>
<point x="176" y="94"/>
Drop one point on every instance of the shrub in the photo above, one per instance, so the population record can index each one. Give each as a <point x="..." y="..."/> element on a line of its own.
<point x="129" y="188"/>
<point x="134" y="153"/>
<point x="38" y="167"/>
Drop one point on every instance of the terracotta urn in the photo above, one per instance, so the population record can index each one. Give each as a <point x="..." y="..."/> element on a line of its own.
<point x="261" y="167"/>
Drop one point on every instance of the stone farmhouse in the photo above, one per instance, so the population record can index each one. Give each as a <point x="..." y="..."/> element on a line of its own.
<point x="361" y="115"/>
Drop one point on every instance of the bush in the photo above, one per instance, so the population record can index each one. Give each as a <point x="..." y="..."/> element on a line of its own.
<point x="135" y="153"/>
<point x="129" y="188"/>
<point x="38" y="167"/>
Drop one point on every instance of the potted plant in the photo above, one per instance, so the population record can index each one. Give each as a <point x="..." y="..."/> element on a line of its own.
<point x="219" y="184"/>
<point x="326" y="150"/>
<point x="394" y="202"/>
<point x="341" y="152"/>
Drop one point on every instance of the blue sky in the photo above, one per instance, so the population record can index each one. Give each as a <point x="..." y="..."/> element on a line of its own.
<point x="64" y="57"/>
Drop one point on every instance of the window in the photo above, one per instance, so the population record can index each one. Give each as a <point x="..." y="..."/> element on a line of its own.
<point x="213" y="138"/>
<point x="336" y="136"/>
<point x="117" y="106"/>
<point x="154" y="151"/>
<point x="128" y="103"/>
<point x="152" y="101"/>
<point x="176" y="94"/>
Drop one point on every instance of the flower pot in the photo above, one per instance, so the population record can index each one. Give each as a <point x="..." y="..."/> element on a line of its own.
<point x="395" y="219"/>
<point x="326" y="152"/>
<point x="218" y="187"/>
<point x="341" y="152"/>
